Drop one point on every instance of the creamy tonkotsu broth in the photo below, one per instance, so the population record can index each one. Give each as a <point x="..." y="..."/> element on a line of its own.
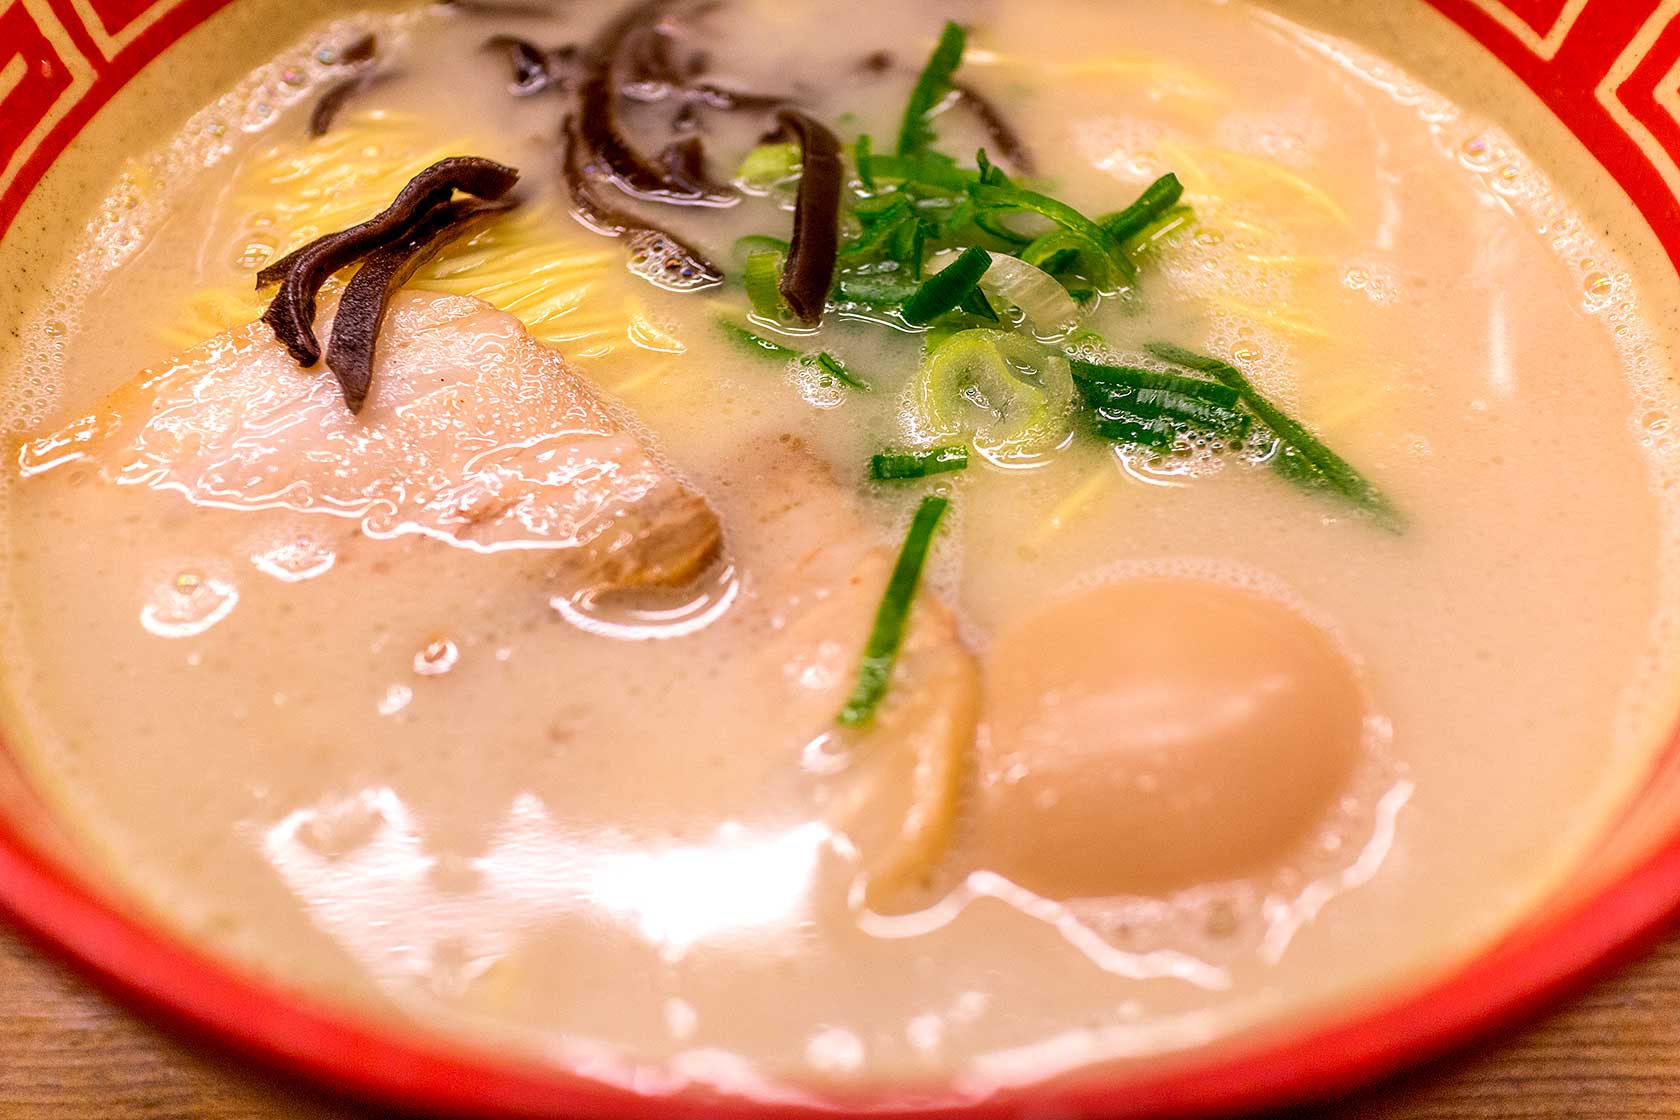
<point x="509" y="705"/>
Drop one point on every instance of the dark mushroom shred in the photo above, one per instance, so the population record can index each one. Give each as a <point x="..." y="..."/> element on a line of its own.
<point x="721" y="97"/>
<point x="355" y="328"/>
<point x="532" y="69"/>
<point x="685" y="161"/>
<point x="508" y="8"/>
<point x="876" y="62"/>
<point x="652" y="70"/>
<point x="816" y="217"/>
<point x="358" y="54"/>
<point x="998" y="129"/>
<point x="359" y="50"/>
<point x="657" y="256"/>
<point x="334" y="98"/>
<point x="301" y="273"/>
<point x="597" y="116"/>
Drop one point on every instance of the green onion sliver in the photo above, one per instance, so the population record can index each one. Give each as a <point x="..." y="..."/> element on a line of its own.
<point x="1157" y="198"/>
<point x="1118" y="378"/>
<point x="1336" y="472"/>
<point x="947" y="288"/>
<point x="768" y="164"/>
<point x="887" y="634"/>
<point x="747" y="340"/>
<point x="873" y="289"/>
<point x="745" y="247"/>
<point x="924" y="170"/>
<point x="860" y="153"/>
<point x="892" y="465"/>
<point x="762" y="277"/>
<point x="976" y="304"/>
<point x="836" y="369"/>
<point x="1123" y="426"/>
<point x="915" y="134"/>
<point x="1111" y="257"/>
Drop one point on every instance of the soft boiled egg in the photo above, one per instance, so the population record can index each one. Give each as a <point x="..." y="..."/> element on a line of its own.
<point x="1150" y="734"/>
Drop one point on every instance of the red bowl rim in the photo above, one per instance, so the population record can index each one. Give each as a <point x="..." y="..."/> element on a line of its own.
<point x="294" y="1033"/>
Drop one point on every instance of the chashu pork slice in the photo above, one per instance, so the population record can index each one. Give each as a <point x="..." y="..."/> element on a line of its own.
<point x="894" y="787"/>
<point x="474" y="434"/>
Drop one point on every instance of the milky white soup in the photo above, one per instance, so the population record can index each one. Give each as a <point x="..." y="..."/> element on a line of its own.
<point x="507" y="706"/>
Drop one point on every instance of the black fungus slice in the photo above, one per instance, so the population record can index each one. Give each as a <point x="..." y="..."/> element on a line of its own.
<point x="358" y="55"/>
<point x="504" y="8"/>
<point x="816" y="217"/>
<point x="361" y="310"/>
<point x="685" y="161"/>
<point x="300" y="274"/>
<point x="528" y="64"/>
<point x="597" y="120"/>
<point x="599" y="89"/>
<point x="998" y="129"/>
<point x="655" y="254"/>
<point x="722" y="97"/>
<point x="334" y="98"/>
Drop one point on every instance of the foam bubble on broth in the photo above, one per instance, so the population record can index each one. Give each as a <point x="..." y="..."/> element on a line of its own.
<point x="1508" y="176"/>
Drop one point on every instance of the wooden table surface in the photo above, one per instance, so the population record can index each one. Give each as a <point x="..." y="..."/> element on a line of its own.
<point x="66" y="1053"/>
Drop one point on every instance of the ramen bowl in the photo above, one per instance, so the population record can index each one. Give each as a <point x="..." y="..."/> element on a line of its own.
<point x="86" y="84"/>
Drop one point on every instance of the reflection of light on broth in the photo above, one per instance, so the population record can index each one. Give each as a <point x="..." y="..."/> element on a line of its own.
<point x="360" y="863"/>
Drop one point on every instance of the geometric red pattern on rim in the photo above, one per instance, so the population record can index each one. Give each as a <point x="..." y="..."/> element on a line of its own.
<point x="1638" y="91"/>
<point x="118" y="14"/>
<point x="1542" y="15"/>
<point x="18" y="117"/>
<point x="1568" y="83"/>
<point x="44" y="80"/>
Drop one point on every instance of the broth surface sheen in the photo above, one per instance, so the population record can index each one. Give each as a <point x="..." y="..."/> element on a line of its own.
<point x="449" y="786"/>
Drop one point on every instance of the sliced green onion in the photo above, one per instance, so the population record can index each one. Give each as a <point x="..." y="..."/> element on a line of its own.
<point x="768" y="164"/>
<point x="992" y="222"/>
<point x="1122" y="426"/>
<point x="893" y="465"/>
<point x="925" y="170"/>
<point x="915" y="133"/>
<point x="1173" y="406"/>
<point x="908" y="246"/>
<point x="976" y="304"/>
<point x="946" y="288"/>
<point x="873" y="211"/>
<point x="1297" y="444"/>
<point x="877" y="289"/>
<point x="860" y="155"/>
<point x="836" y="369"/>
<point x="956" y="219"/>
<point x="1069" y="248"/>
<point x="762" y="276"/>
<point x="1156" y="199"/>
<point x="1059" y="261"/>
<point x="989" y="171"/>
<point x="880" y="652"/>
<point x="745" y="247"/>
<point x="1041" y="298"/>
<point x="1127" y="379"/>
<point x="1012" y="394"/>
<point x="747" y="340"/>
<point x="1111" y="259"/>
<point x="1165" y="226"/>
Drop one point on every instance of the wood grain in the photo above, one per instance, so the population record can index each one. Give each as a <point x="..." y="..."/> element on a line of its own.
<point x="66" y="1053"/>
